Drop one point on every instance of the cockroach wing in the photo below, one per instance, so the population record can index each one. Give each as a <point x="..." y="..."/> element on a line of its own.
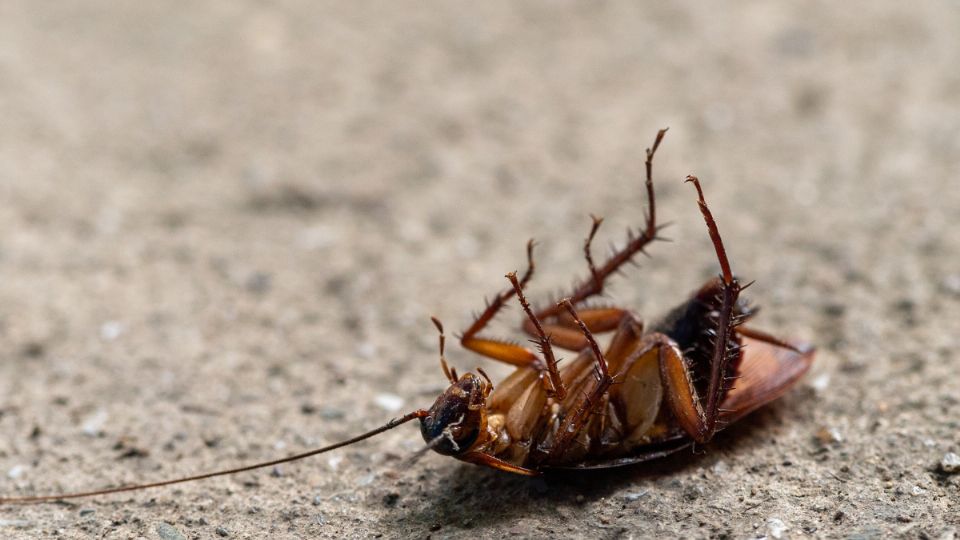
<point x="766" y="372"/>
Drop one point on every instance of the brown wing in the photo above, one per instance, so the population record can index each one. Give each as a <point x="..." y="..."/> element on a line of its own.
<point x="767" y="370"/>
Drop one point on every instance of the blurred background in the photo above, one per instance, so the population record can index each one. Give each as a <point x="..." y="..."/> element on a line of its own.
<point x="224" y="226"/>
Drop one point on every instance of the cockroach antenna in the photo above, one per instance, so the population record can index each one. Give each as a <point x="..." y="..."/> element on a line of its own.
<point x="296" y="457"/>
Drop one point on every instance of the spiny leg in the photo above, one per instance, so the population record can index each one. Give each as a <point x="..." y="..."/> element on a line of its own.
<point x="725" y="346"/>
<point x="566" y="334"/>
<point x="597" y="280"/>
<point x="603" y="371"/>
<point x="636" y="243"/>
<point x="494" y="348"/>
<point x="557" y="390"/>
<point x="588" y="403"/>
<point x="562" y="330"/>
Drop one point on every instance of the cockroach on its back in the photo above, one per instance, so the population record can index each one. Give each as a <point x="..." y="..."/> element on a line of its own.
<point x="650" y="393"/>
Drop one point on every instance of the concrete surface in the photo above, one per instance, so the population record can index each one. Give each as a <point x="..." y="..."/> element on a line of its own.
<point x="224" y="226"/>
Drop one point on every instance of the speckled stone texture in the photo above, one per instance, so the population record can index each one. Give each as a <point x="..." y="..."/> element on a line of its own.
<point x="224" y="226"/>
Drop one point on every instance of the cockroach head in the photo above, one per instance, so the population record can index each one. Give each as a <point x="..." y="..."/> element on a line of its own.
<point x="457" y="419"/>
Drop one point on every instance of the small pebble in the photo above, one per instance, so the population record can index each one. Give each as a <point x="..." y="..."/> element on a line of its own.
<point x="827" y="436"/>
<point x="222" y="531"/>
<point x="16" y="472"/>
<point x="317" y="237"/>
<point x="692" y="493"/>
<point x="367" y="350"/>
<point x="821" y="383"/>
<point x="87" y="512"/>
<point x="111" y="330"/>
<point x="389" y="402"/>
<point x="950" y="463"/>
<point x="636" y="496"/>
<point x="390" y="499"/>
<point x="776" y="527"/>
<point x="951" y="283"/>
<point x="93" y="424"/>
<point x="169" y="532"/>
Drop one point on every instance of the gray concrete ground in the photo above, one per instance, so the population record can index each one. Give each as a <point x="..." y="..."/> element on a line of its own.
<point x="224" y="226"/>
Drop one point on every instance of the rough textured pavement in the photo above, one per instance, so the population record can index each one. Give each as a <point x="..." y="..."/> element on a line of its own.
<point x="224" y="226"/>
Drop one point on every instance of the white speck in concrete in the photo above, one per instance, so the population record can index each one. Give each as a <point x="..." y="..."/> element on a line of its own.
<point x="821" y="382"/>
<point x="93" y="424"/>
<point x="776" y="527"/>
<point x="389" y="402"/>
<point x="16" y="472"/>
<point x="111" y="330"/>
<point x="950" y="463"/>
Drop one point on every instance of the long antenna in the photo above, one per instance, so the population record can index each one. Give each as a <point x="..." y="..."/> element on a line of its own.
<point x="47" y="498"/>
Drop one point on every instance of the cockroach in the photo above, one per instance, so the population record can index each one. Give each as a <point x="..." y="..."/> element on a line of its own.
<point x="653" y="390"/>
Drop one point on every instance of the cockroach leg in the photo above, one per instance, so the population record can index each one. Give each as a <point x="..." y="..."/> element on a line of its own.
<point x="714" y="232"/>
<point x="636" y="242"/>
<point x="479" y="458"/>
<point x="760" y="335"/>
<point x="557" y="388"/>
<point x="503" y="351"/>
<point x="443" y="360"/>
<point x="681" y="394"/>
<point x="587" y="403"/>
<point x="566" y="334"/>
<point x="598" y="281"/>
<point x="725" y="345"/>
<point x="603" y="371"/>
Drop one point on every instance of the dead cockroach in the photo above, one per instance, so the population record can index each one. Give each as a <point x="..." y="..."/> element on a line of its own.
<point x="651" y="393"/>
